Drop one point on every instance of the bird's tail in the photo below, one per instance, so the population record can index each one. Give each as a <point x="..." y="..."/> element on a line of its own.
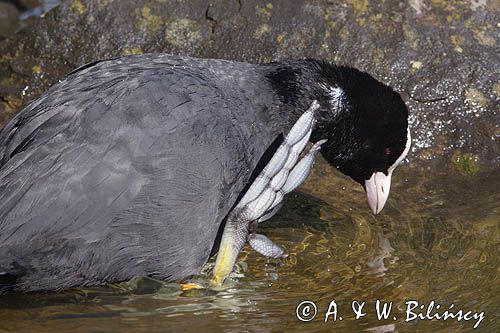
<point x="7" y="282"/>
<point x="9" y="276"/>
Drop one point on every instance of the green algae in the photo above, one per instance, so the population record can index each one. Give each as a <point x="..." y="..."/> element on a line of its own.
<point x="183" y="33"/>
<point x="466" y="164"/>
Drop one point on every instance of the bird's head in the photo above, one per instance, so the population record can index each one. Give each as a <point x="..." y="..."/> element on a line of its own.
<point x="366" y="124"/>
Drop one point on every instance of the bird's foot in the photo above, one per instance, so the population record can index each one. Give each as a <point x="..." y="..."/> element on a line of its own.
<point x="280" y="176"/>
<point x="266" y="247"/>
<point x="191" y="286"/>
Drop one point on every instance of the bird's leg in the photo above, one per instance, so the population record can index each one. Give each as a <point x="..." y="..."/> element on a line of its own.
<point x="233" y="239"/>
<point x="281" y="175"/>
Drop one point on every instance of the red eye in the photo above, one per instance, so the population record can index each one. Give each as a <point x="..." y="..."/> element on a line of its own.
<point x="387" y="151"/>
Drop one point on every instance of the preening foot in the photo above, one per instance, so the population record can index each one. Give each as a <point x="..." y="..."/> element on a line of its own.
<point x="280" y="176"/>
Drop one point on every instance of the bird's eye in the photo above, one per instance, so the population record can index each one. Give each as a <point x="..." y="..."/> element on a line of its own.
<point x="387" y="151"/>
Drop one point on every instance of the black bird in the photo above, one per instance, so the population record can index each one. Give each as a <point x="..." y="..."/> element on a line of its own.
<point x="129" y="166"/>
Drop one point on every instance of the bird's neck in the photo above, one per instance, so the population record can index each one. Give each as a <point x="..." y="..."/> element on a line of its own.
<point x="297" y="84"/>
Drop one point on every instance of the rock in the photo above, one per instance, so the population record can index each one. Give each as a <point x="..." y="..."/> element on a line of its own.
<point x="442" y="56"/>
<point x="9" y="19"/>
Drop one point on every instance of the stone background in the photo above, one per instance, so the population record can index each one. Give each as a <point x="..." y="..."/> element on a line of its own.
<point x="442" y="56"/>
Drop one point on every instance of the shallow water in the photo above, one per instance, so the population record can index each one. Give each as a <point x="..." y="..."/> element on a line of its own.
<point x="437" y="239"/>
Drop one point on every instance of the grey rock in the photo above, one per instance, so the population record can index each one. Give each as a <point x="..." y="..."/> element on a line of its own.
<point x="9" y="19"/>
<point x="441" y="56"/>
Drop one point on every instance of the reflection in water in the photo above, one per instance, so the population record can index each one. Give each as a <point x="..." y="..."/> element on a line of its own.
<point x="377" y="263"/>
<point x="437" y="239"/>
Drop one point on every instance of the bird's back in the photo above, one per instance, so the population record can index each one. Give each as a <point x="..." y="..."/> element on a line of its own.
<point x="127" y="168"/>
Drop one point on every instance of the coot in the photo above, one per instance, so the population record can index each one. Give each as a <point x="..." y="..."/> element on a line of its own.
<point x="130" y="166"/>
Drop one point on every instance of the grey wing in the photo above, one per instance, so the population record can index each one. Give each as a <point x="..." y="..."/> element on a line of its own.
<point x="133" y="180"/>
<point x="60" y="156"/>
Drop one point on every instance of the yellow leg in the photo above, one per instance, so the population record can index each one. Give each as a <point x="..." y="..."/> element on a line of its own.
<point x="231" y="244"/>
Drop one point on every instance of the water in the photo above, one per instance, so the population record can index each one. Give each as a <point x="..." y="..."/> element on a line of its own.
<point x="437" y="239"/>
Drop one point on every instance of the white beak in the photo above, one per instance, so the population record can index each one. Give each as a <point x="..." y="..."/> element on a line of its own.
<point x="377" y="190"/>
<point x="379" y="185"/>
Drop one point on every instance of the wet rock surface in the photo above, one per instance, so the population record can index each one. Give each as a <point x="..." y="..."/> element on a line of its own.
<point x="442" y="56"/>
<point x="14" y="14"/>
<point x="9" y="19"/>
